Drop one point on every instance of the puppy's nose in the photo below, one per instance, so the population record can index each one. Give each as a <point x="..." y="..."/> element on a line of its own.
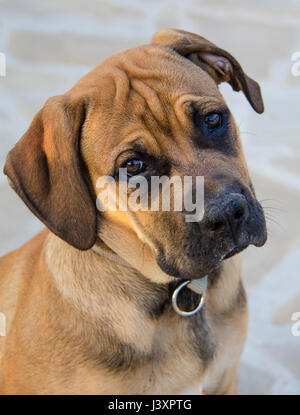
<point x="228" y="215"/>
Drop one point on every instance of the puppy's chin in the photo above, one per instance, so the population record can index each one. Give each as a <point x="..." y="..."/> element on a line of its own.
<point x="189" y="271"/>
<point x="236" y="251"/>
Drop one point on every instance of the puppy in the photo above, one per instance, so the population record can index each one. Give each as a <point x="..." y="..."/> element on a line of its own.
<point x="88" y="301"/>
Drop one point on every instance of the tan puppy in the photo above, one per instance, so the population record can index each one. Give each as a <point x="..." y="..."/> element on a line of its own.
<point x="81" y="320"/>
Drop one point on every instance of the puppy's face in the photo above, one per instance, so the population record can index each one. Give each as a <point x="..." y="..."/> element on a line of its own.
<point x="155" y="111"/>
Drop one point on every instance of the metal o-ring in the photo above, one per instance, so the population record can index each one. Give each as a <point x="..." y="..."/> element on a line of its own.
<point x="174" y="301"/>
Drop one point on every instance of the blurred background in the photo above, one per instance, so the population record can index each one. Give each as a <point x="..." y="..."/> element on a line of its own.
<point x="49" y="45"/>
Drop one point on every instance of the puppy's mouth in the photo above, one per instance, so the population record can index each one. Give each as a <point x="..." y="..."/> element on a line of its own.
<point x="189" y="272"/>
<point x="197" y="262"/>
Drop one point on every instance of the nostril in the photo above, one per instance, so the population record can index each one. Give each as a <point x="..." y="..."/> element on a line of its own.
<point x="239" y="213"/>
<point x="228" y="215"/>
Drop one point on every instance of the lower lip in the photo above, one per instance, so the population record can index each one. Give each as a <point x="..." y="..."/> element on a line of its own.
<point x="235" y="251"/>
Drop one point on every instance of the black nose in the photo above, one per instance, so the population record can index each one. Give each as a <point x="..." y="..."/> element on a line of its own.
<point x="227" y="214"/>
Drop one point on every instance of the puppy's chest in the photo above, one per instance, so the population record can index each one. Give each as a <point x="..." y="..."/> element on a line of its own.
<point x="188" y="335"/>
<point x="181" y="350"/>
<point x="170" y="358"/>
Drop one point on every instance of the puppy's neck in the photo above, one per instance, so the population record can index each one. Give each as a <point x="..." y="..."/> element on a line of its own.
<point x="103" y="250"/>
<point x="99" y="282"/>
<point x="106" y="305"/>
<point x="97" y="285"/>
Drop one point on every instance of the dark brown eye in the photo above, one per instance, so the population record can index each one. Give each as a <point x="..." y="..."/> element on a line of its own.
<point x="213" y="120"/>
<point x="134" y="167"/>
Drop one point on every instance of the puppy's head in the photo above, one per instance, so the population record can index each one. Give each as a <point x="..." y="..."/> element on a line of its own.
<point x="154" y="110"/>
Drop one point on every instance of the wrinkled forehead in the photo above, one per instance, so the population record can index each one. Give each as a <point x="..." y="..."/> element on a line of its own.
<point x="159" y="75"/>
<point x="148" y="76"/>
<point x="146" y="88"/>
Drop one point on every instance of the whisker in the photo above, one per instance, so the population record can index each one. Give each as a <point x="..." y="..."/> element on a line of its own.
<point x="270" y="200"/>
<point x="247" y="132"/>
<point x="273" y="208"/>
<point x="274" y="222"/>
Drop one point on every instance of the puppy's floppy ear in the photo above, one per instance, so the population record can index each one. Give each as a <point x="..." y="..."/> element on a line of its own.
<point x="217" y="62"/>
<point x="46" y="170"/>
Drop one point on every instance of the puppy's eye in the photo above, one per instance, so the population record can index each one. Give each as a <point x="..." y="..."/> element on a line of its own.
<point x="134" y="166"/>
<point x="213" y="120"/>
